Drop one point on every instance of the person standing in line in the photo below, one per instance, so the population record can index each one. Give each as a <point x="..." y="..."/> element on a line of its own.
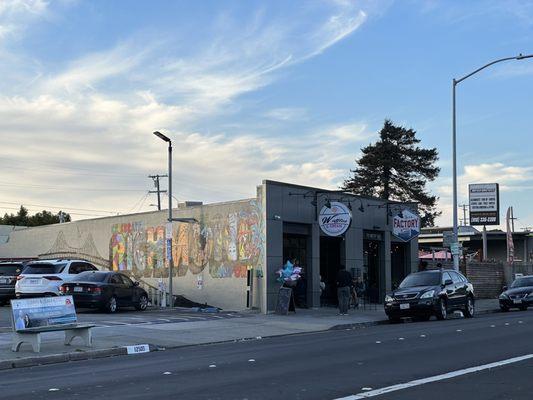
<point x="344" y="284"/>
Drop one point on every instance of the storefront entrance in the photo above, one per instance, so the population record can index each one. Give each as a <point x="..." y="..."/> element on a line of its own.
<point x="330" y="260"/>
<point x="295" y="250"/>
<point x="398" y="262"/>
<point x="372" y="270"/>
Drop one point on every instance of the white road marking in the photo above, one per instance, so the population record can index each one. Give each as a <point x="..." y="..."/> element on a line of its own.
<point x="435" y="378"/>
<point x="520" y="322"/>
<point x="53" y="390"/>
<point x="507" y="324"/>
<point x="366" y="389"/>
<point x="378" y="342"/>
<point x="212" y="366"/>
<point x="167" y="373"/>
<point x="459" y="330"/>
<point x="400" y="338"/>
<point x="422" y="335"/>
<point x="251" y="360"/>
<point x="493" y="326"/>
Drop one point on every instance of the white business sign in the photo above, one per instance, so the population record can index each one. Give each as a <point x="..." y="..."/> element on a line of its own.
<point x="406" y="225"/>
<point x="484" y="204"/>
<point x="335" y="220"/>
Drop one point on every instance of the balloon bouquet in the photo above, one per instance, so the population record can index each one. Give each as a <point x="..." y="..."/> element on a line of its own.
<point x="289" y="274"/>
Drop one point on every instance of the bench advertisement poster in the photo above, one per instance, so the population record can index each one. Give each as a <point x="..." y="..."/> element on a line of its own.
<point x="43" y="312"/>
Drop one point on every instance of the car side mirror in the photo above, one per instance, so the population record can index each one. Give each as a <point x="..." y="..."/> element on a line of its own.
<point x="135" y="283"/>
<point x="505" y="288"/>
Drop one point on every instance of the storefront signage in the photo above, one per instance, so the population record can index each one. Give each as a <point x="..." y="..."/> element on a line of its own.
<point x="484" y="204"/>
<point x="406" y="225"/>
<point x="46" y="311"/>
<point x="336" y="220"/>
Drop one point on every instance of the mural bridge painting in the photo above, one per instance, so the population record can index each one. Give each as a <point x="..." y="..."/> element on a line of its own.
<point x="226" y="244"/>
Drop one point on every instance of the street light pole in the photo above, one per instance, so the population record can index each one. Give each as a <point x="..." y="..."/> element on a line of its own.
<point x="169" y="241"/>
<point x="454" y="143"/>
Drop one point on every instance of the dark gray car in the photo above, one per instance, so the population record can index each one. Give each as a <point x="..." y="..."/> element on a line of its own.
<point x="8" y="277"/>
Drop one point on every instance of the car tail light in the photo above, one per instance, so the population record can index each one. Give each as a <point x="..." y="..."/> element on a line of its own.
<point x="64" y="289"/>
<point x="53" y="278"/>
<point x="94" y="289"/>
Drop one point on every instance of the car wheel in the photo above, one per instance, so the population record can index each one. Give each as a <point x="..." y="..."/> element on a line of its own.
<point x="422" y="318"/>
<point x="143" y="303"/>
<point x="394" y="320"/>
<point x="470" y="307"/>
<point x="523" y="308"/>
<point x="111" y="305"/>
<point x="442" y="312"/>
<point x="504" y="308"/>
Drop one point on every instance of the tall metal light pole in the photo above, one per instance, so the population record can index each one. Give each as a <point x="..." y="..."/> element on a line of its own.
<point x="454" y="147"/>
<point x="169" y="242"/>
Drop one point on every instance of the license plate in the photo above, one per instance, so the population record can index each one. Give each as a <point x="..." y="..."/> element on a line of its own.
<point x="78" y="289"/>
<point x="404" y="306"/>
<point x="4" y="280"/>
<point x="34" y="281"/>
<point x="517" y="301"/>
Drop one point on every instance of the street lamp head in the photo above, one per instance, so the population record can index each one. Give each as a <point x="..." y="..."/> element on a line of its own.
<point x="161" y="136"/>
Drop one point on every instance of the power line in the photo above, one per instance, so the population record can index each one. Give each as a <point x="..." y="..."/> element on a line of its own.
<point x="37" y="210"/>
<point x="69" y="188"/>
<point x="61" y="207"/>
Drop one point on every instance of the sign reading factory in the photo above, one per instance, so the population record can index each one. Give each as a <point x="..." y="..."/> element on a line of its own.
<point x="335" y="220"/>
<point x="484" y="204"/>
<point x="406" y="225"/>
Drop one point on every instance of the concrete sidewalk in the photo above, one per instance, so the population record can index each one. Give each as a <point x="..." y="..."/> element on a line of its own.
<point x="110" y="340"/>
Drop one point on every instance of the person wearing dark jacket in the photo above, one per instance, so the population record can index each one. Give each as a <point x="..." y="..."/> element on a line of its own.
<point x="344" y="284"/>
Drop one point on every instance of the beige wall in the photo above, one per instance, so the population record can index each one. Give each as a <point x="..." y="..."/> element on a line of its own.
<point x="218" y="250"/>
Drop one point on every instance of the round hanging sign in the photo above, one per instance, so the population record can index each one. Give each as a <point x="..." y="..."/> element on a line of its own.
<point x="335" y="220"/>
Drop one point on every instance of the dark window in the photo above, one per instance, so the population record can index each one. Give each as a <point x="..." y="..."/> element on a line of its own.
<point x="127" y="281"/>
<point x="43" y="268"/>
<point x="115" y="279"/>
<point x="10" y="269"/>
<point x="421" y="279"/>
<point x="445" y="277"/>
<point x="523" y="282"/>
<point x="90" y="276"/>
<point x="75" y="268"/>
<point x="89" y="267"/>
<point x="456" y="278"/>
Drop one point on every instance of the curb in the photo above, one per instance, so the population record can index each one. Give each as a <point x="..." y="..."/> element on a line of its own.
<point x="66" y="357"/>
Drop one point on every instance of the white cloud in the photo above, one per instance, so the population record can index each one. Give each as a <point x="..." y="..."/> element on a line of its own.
<point x="88" y="123"/>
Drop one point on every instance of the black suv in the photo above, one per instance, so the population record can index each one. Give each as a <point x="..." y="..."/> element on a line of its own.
<point x="519" y="295"/>
<point x="8" y="277"/>
<point x="427" y="293"/>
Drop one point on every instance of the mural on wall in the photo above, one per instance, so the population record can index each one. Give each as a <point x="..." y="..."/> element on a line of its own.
<point x="226" y="244"/>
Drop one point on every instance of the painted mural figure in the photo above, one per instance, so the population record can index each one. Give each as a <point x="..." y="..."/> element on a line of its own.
<point x="227" y="244"/>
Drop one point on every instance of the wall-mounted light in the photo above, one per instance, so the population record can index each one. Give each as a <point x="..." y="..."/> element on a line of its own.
<point x="277" y="217"/>
<point x="327" y="203"/>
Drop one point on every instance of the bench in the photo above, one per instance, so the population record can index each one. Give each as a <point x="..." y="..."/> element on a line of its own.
<point x="31" y="317"/>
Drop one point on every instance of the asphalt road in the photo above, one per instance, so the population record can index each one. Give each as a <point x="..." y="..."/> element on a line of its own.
<point x="327" y="365"/>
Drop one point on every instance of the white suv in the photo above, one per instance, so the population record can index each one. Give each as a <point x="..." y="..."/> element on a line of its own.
<point x="43" y="278"/>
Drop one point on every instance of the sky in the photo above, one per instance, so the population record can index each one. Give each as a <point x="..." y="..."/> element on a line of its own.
<point x="253" y="90"/>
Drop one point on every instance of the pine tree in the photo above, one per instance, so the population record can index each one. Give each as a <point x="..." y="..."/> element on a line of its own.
<point x="396" y="168"/>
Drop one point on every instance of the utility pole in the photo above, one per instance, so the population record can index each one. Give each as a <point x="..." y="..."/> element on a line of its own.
<point x="464" y="207"/>
<point x="158" y="191"/>
<point x="512" y="219"/>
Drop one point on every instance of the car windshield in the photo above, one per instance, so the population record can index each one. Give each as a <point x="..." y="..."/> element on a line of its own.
<point x="421" y="279"/>
<point x="10" y="269"/>
<point x="522" y="282"/>
<point x="90" y="276"/>
<point x="43" y="268"/>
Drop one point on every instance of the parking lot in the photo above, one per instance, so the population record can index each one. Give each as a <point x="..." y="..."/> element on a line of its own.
<point x="123" y="317"/>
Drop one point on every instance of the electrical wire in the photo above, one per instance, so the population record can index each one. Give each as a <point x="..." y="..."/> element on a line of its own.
<point x="60" y="207"/>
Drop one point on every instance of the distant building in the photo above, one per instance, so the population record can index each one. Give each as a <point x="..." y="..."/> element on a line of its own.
<point x="431" y="239"/>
